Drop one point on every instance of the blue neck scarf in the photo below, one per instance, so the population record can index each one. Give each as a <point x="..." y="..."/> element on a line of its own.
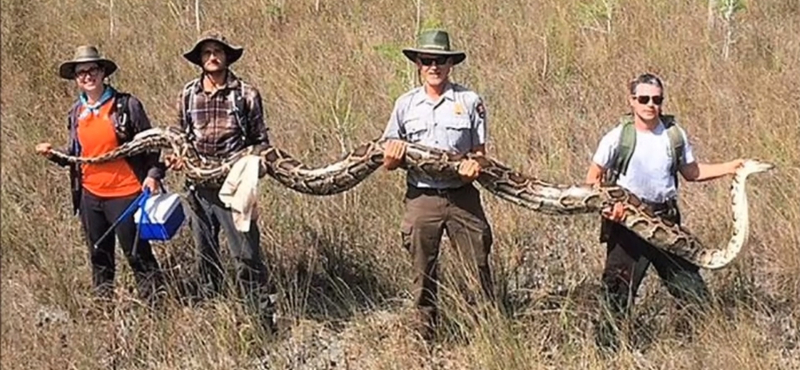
<point x="108" y="93"/>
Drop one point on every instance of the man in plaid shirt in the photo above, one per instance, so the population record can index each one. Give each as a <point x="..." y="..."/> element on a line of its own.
<point x="222" y="114"/>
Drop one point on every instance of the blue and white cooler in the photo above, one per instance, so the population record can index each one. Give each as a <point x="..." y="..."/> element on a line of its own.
<point x="160" y="217"/>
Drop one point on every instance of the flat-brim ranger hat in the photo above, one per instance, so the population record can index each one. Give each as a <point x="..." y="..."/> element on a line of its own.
<point x="233" y="53"/>
<point x="434" y="42"/>
<point x="86" y="54"/>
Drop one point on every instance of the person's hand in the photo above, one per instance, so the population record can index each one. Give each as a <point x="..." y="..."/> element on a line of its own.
<point x="152" y="184"/>
<point x="44" y="149"/>
<point x="173" y="162"/>
<point x="614" y="213"/>
<point x="734" y="165"/>
<point x="393" y="154"/>
<point x="469" y="169"/>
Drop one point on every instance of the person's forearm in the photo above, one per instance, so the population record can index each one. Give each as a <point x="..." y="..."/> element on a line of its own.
<point x="710" y="171"/>
<point x="594" y="175"/>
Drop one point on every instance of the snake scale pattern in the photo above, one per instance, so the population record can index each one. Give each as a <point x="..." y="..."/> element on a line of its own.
<point x="495" y="177"/>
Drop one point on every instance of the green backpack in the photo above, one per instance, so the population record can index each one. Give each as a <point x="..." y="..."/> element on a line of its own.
<point x="627" y="143"/>
<point x="622" y="158"/>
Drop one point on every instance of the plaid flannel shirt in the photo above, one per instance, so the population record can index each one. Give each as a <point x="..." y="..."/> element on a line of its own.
<point x="214" y="127"/>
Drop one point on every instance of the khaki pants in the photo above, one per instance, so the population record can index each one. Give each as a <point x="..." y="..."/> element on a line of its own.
<point x="428" y="213"/>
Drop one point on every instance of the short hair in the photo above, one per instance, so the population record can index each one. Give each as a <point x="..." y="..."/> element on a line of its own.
<point x="645" y="78"/>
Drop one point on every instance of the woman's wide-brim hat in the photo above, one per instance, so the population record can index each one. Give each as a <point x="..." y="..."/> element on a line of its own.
<point x="86" y="54"/>
<point x="434" y="42"/>
<point x="233" y="53"/>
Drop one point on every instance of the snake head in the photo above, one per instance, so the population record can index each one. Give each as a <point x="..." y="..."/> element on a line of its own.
<point x="751" y="166"/>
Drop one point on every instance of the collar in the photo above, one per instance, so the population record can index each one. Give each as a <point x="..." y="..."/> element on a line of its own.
<point x="421" y="96"/>
<point x="231" y="82"/>
<point x="449" y="92"/>
<point x="108" y="93"/>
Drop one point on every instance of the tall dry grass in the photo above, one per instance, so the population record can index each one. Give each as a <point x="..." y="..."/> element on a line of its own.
<point x="552" y="73"/>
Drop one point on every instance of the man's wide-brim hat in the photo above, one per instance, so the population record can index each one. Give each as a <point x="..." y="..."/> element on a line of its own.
<point x="86" y="54"/>
<point x="434" y="42"/>
<point x="233" y="53"/>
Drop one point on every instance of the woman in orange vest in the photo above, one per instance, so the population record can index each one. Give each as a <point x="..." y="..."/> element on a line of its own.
<point x="101" y="119"/>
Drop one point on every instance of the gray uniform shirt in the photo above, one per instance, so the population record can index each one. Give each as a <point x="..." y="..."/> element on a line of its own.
<point x="456" y="122"/>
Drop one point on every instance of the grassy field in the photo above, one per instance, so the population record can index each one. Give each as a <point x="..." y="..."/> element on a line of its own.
<point x="553" y="75"/>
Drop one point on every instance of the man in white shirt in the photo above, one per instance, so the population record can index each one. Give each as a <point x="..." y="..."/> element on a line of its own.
<point x="644" y="154"/>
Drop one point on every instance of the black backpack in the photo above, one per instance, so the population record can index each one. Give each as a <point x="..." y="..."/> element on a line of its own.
<point x="122" y="122"/>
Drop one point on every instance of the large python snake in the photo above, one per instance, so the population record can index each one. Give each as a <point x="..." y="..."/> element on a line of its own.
<point x="495" y="177"/>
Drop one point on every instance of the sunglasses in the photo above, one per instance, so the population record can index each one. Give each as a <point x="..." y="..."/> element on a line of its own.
<point x="644" y="99"/>
<point x="429" y="61"/>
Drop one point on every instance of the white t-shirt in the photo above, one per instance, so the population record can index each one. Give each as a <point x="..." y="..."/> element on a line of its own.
<point x="648" y="174"/>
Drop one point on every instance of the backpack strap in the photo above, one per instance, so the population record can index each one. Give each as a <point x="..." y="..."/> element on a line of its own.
<point x="627" y="142"/>
<point x="72" y="126"/>
<point x="622" y="156"/>
<point x="72" y="115"/>
<point x="236" y="97"/>
<point x="121" y="124"/>
<point x="677" y="144"/>
<point x="188" y="97"/>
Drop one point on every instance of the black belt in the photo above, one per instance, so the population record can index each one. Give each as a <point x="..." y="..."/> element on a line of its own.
<point x="662" y="206"/>
<point x="204" y="185"/>
<point x="434" y="191"/>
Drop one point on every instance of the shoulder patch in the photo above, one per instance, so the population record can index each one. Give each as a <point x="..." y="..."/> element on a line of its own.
<point x="480" y="109"/>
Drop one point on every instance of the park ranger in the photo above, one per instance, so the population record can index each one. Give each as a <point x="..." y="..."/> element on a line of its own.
<point x="448" y="116"/>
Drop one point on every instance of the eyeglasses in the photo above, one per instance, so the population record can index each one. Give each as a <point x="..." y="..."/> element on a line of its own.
<point x="644" y="99"/>
<point x="429" y="61"/>
<point x="84" y="72"/>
